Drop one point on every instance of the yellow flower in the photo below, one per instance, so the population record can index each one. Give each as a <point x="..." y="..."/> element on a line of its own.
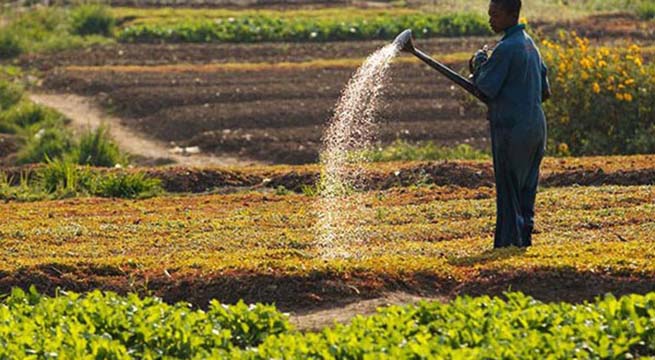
<point x="619" y="97"/>
<point x="596" y="88"/>
<point x="627" y="97"/>
<point x="630" y="81"/>
<point x="584" y="75"/>
<point x="586" y="63"/>
<point x="563" y="148"/>
<point x="523" y="20"/>
<point x="638" y="62"/>
<point x="602" y="63"/>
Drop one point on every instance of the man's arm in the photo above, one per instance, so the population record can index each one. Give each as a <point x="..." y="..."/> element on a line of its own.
<point x="545" y="85"/>
<point x="490" y="77"/>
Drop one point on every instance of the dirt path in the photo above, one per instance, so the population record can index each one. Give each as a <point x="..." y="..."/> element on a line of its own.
<point x="85" y="114"/>
<point x="318" y="319"/>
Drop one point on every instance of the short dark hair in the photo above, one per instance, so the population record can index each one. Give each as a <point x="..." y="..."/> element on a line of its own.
<point x="511" y="6"/>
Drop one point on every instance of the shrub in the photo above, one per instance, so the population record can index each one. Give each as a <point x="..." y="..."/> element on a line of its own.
<point x="92" y="19"/>
<point x="603" y="100"/>
<point x="97" y="149"/>
<point x="126" y="185"/>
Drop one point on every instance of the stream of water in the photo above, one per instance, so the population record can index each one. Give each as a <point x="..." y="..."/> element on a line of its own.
<point x="341" y="213"/>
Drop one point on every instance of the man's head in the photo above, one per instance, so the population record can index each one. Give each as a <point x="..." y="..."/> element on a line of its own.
<point x="504" y="14"/>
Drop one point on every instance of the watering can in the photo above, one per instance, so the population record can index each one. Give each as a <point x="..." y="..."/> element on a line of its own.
<point x="406" y="43"/>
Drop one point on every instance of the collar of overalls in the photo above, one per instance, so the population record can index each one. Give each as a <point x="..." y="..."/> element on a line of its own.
<point x="511" y="30"/>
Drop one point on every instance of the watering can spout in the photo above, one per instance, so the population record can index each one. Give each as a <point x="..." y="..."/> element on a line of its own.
<point x="404" y="41"/>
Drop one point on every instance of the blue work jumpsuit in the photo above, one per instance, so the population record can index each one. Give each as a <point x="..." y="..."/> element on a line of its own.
<point x="514" y="79"/>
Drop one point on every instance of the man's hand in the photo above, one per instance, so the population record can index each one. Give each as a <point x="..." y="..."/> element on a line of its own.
<point x="480" y="57"/>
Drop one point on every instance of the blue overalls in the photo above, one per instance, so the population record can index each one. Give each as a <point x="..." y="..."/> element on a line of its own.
<point x="514" y="79"/>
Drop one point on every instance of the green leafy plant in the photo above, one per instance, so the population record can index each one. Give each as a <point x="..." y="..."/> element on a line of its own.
<point x="256" y="28"/>
<point x="105" y="325"/>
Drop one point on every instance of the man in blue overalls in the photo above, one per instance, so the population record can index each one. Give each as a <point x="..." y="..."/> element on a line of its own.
<point x="514" y="79"/>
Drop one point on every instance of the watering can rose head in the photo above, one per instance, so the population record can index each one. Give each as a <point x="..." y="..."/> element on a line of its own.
<point x="404" y="41"/>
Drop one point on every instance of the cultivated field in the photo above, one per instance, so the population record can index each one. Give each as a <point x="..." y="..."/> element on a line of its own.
<point x="195" y="87"/>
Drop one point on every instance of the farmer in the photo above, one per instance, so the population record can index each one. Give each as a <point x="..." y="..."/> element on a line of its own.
<point x="514" y="80"/>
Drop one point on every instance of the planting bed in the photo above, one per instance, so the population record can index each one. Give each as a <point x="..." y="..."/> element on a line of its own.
<point x="256" y="245"/>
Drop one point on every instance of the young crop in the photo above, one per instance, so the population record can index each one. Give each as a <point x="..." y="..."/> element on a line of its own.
<point x="105" y="325"/>
<point x="483" y="328"/>
<point x="255" y="28"/>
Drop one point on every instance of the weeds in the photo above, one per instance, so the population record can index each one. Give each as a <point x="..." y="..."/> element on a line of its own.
<point x="128" y="186"/>
<point x="97" y="149"/>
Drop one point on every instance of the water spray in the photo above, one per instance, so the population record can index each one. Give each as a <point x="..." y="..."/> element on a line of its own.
<point x="406" y="43"/>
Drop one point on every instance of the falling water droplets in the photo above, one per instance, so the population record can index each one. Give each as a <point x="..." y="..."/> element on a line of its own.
<point x="340" y="210"/>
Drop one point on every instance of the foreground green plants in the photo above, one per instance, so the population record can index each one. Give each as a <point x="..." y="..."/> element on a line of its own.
<point x="108" y="326"/>
<point x="105" y="325"/>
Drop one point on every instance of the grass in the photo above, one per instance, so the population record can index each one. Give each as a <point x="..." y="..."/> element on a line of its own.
<point x="49" y="29"/>
<point x="45" y="135"/>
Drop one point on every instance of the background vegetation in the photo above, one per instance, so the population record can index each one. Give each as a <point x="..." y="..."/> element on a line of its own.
<point x="603" y="99"/>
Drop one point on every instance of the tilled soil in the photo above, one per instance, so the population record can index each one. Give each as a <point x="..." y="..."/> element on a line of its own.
<point x="274" y="115"/>
<point x="277" y="114"/>
<point x="159" y="54"/>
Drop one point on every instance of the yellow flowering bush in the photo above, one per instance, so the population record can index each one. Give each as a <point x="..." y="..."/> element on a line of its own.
<point x="603" y="98"/>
